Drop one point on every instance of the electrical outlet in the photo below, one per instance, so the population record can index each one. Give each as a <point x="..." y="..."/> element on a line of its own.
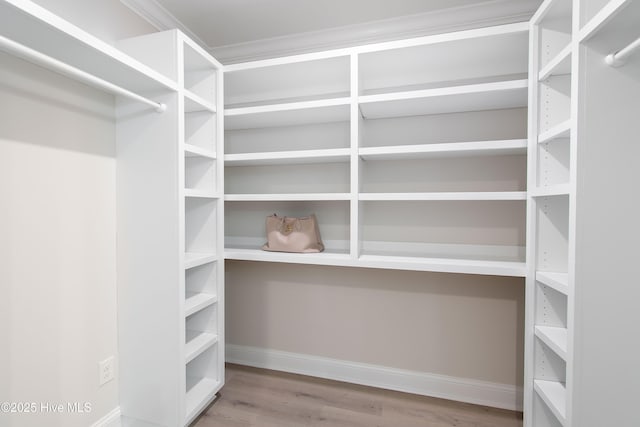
<point x="106" y="370"/>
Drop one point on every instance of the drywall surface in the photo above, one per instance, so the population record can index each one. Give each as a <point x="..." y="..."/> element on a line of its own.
<point x="109" y="20"/>
<point x="464" y="326"/>
<point x="57" y="248"/>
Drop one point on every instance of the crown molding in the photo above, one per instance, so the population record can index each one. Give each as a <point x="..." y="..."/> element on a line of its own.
<point x="488" y="13"/>
<point x="155" y="14"/>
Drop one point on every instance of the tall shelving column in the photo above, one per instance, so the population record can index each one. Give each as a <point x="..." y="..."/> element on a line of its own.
<point x="201" y="148"/>
<point x="551" y="218"/>
<point x="607" y="106"/>
<point x="170" y="222"/>
<point x="581" y="311"/>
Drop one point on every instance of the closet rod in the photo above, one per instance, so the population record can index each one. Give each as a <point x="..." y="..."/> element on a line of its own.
<point x="38" y="58"/>
<point x="618" y="58"/>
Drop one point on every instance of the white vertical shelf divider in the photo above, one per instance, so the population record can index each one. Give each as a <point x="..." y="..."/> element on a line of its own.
<point x="355" y="160"/>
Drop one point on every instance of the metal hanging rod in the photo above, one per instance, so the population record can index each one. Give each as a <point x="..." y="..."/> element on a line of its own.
<point x="38" y="58"/>
<point x="619" y="58"/>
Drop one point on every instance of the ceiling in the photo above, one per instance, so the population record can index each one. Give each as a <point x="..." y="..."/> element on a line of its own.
<point x="250" y="29"/>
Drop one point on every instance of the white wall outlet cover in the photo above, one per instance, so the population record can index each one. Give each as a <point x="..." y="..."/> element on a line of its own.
<point x="106" y="370"/>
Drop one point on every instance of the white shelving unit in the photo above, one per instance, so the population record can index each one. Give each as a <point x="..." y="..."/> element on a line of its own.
<point x="582" y="127"/>
<point x="171" y="184"/>
<point x="435" y="124"/>
<point x="549" y="295"/>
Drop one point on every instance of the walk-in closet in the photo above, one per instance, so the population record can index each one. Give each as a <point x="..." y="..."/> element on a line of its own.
<point x="471" y="167"/>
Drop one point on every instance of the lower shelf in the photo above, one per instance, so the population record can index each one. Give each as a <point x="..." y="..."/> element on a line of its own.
<point x="323" y="258"/>
<point x="557" y="281"/>
<point x="554" y="395"/>
<point x="445" y="265"/>
<point x="195" y="302"/>
<point x="200" y="393"/>
<point x="197" y="343"/>
<point x="555" y="338"/>
<point x="435" y="264"/>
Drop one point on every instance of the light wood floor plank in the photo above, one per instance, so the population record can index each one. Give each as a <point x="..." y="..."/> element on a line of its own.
<point x="262" y="398"/>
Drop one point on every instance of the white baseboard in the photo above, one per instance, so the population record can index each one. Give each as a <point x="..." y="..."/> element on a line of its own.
<point x="112" y="419"/>
<point x="459" y="389"/>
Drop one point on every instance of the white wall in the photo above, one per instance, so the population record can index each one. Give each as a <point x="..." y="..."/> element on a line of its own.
<point x="465" y="326"/>
<point x="57" y="243"/>
<point x="57" y="229"/>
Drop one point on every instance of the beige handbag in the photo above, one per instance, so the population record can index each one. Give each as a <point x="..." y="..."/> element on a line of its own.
<point x="287" y="234"/>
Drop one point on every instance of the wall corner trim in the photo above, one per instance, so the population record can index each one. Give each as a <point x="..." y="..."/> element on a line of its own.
<point x="112" y="419"/>
<point x="467" y="390"/>
<point x="155" y="14"/>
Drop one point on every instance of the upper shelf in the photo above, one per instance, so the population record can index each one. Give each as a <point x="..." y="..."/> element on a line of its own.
<point x="35" y="27"/>
<point x="473" y="97"/>
<point x="466" y="55"/>
<point x="446" y="196"/>
<point x="559" y="65"/>
<point x="313" y="79"/>
<point x="288" y="157"/>
<point x="613" y="27"/>
<point x="288" y="114"/>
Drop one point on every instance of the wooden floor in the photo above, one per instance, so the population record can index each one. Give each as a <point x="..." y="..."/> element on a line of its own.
<point x="257" y="397"/>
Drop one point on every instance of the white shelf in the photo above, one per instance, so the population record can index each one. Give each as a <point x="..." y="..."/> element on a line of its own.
<point x="305" y="197"/>
<point x="444" y="196"/>
<point x="444" y="265"/>
<point x="288" y="157"/>
<point x="616" y="14"/>
<point x="552" y="190"/>
<point x="454" y="149"/>
<point x="202" y="194"/>
<point x="323" y="258"/>
<point x="193" y="151"/>
<point x="557" y="281"/>
<point x="288" y="114"/>
<point x="447" y="265"/>
<point x="555" y="338"/>
<point x="195" y="302"/>
<point x="475" y="97"/>
<point x="200" y="393"/>
<point x="554" y="396"/>
<point x="194" y="103"/>
<point x="198" y="342"/>
<point x="559" y="65"/>
<point x="561" y="130"/>
<point x="37" y="28"/>
<point x="192" y="260"/>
